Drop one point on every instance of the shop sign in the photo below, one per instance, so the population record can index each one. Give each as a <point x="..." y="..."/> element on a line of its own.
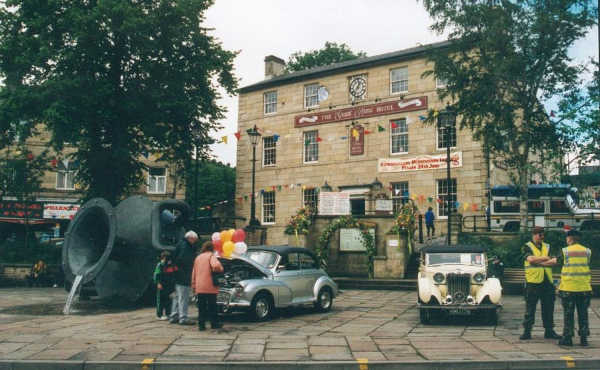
<point x="359" y="112"/>
<point x="420" y="163"/>
<point x="25" y="210"/>
<point x="60" y="211"/>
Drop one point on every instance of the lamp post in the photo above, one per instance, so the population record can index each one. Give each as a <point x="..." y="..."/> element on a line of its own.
<point x="254" y="138"/>
<point x="447" y="120"/>
<point x="196" y="132"/>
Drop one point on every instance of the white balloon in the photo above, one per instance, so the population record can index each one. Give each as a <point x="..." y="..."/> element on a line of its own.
<point x="216" y="236"/>
<point x="241" y="247"/>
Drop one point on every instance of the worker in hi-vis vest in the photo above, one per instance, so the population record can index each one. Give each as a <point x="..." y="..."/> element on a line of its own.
<point x="539" y="286"/>
<point x="575" y="290"/>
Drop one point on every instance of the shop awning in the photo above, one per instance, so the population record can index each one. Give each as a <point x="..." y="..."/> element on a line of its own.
<point x="23" y="221"/>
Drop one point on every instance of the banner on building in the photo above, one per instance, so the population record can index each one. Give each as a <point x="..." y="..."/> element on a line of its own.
<point x="23" y="210"/>
<point x="419" y="163"/>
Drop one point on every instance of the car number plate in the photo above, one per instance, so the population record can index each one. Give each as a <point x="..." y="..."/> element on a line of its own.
<point x="460" y="311"/>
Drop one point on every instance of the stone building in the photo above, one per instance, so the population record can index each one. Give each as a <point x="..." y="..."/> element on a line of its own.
<point x="356" y="127"/>
<point x="49" y="214"/>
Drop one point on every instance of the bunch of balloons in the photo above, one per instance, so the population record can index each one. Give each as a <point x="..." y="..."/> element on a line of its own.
<point x="229" y="241"/>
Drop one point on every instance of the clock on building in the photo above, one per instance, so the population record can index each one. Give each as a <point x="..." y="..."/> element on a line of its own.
<point x="358" y="87"/>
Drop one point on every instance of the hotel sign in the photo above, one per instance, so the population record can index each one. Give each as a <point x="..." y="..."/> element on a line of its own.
<point x="365" y="111"/>
<point x="420" y="163"/>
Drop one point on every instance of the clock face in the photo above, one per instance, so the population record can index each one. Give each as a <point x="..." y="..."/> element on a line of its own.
<point x="358" y="87"/>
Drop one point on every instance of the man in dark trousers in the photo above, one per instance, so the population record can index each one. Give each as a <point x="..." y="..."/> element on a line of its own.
<point x="185" y="254"/>
<point x="575" y="290"/>
<point x="540" y="287"/>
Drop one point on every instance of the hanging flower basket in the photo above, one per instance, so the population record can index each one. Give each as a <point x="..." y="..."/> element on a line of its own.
<point x="299" y="223"/>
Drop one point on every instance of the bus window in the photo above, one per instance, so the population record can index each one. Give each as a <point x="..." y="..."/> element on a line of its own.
<point x="559" y="206"/>
<point x="505" y="206"/>
<point x="535" y="206"/>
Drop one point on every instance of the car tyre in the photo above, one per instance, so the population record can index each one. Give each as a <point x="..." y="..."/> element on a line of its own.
<point x="324" y="300"/>
<point x="262" y="306"/>
<point x="425" y="317"/>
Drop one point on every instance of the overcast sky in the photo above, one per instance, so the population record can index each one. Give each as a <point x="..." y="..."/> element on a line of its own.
<point x="258" y="28"/>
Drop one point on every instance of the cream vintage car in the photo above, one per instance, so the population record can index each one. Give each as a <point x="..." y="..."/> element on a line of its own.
<point x="453" y="281"/>
<point x="269" y="277"/>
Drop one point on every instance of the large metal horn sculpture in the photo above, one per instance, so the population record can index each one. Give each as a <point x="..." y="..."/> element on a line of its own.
<point x="115" y="249"/>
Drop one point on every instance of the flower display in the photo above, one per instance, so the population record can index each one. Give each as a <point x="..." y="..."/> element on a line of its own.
<point x="406" y="218"/>
<point x="300" y="222"/>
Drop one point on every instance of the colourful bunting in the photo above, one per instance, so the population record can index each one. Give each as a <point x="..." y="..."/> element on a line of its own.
<point x="394" y="124"/>
<point x="422" y="118"/>
<point x="379" y="128"/>
<point x="276" y="137"/>
<point x="552" y="114"/>
<point x="224" y="139"/>
<point x="238" y="135"/>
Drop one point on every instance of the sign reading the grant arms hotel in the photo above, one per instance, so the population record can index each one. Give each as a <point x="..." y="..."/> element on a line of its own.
<point x="372" y="110"/>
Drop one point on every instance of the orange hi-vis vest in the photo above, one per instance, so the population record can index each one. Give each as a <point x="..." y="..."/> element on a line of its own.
<point x="575" y="275"/>
<point x="535" y="273"/>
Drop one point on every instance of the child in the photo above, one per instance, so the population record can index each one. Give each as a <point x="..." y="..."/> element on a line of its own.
<point x="164" y="285"/>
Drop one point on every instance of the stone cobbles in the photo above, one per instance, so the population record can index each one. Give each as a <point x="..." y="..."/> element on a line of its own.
<point x="363" y="326"/>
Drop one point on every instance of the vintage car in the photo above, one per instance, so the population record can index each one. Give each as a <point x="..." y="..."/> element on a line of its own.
<point x="265" y="278"/>
<point x="453" y="281"/>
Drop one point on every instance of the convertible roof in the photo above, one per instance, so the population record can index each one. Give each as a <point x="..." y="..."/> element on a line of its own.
<point x="453" y="249"/>
<point x="282" y="249"/>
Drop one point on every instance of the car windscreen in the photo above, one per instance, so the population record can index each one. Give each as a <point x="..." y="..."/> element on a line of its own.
<point x="475" y="259"/>
<point x="264" y="258"/>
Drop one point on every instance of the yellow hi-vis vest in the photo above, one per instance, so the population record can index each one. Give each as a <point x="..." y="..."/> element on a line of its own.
<point x="535" y="273"/>
<point x="575" y="275"/>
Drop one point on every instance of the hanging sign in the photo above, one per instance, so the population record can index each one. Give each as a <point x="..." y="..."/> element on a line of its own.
<point x="420" y="163"/>
<point x="357" y="140"/>
<point x="372" y="110"/>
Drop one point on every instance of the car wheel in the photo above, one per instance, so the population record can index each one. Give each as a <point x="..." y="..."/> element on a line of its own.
<point x="425" y="318"/>
<point x="324" y="300"/>
<point x="262" y="306"/>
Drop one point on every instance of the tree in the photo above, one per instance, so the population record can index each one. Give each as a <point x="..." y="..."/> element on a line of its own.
<point x="216" y="183"/>
<point x="504" y="59"/>
<point x="332" y="53"/>
<point x="116" y="78"/>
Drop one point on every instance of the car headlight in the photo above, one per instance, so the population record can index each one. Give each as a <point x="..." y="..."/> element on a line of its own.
<point x="438" y="278"/>
<point x="239" y="290"/>
<point x="478" y="278"/>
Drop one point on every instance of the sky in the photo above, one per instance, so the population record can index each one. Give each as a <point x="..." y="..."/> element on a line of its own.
<point x="258" y="28"/>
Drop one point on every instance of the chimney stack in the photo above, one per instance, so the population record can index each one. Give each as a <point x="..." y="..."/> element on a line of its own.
<point x="273" y="66"/>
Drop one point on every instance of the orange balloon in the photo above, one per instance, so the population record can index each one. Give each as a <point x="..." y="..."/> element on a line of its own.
<point x="225" y="236"/>
<point x="228" y="248"/>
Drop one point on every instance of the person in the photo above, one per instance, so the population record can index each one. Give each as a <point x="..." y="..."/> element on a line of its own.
<point x="497" y="269"/>
<point x="539" y="285"/>
<point x="204" y="265"/>
<point x="575" y="290"/>
<point x="164" y="286"/>
<point x="184" y="260"/>
<point x="37" y="275"/>
<point x="429" y="217"/>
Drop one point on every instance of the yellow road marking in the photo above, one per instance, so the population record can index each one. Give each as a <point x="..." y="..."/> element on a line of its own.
<point x="363" y="363"/>
<point x="570" y="361"/>
<point x="146" y="362"/>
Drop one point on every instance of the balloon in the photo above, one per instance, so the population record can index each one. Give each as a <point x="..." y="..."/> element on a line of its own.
<point x="228" y="248"/>
<point x="241" y="247"/>
<point x="225" y="236"/>
<point x="216" y="236"/>
<point x="238" y="236"/>
<point x="218" y="246"/>
<point x="231" y="231"/>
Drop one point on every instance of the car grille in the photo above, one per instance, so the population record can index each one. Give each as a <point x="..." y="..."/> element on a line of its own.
<point x="459" y="286"/>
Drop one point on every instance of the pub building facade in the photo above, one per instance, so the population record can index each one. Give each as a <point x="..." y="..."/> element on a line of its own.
<point x="49" y="214"/>
<point x="355" y="127"/>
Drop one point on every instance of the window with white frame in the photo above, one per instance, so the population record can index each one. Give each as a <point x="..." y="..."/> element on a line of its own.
<point x="440" y="82"/>
<point x="157" y="180"/>
<point x="311" y="98"/>
<point x="399" y="194"/>
<point x="399" y="80"/>
<point x="269" y="152"/>
<point x="270" y="102"/>
<point x="441" y="138"/>
<point x="311" y="146"/>
<point x="309" y="198"/>
<point x="399" y="136"/>
<point x="65" y="175"/>
<point x="268" y="207"/>
<point x="446" y="193"/>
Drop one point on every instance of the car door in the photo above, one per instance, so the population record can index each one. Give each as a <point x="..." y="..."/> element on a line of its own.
<point x="289" y="272"/>
<point x="310" y="272"/>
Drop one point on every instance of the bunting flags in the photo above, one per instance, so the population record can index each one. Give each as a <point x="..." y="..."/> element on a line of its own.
<point x="380" y="129"/>
<point x="224" y="139"/>
<point x="552" y="114"/>
<point x="238" y="135"/>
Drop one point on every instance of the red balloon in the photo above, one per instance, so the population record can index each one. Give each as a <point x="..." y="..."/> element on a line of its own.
<point x="218" y="246"/>
<point x="238" y="236"/>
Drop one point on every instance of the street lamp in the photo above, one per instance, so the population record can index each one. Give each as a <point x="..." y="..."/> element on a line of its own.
<point x="196" y="133"/>
<point x="447" y="120"/>
<point x="254" y="138"/>
<point x="376" y="185"/>
<point x="326" y="187"/>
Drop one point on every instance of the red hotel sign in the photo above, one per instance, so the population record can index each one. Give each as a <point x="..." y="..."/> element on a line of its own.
<point x="373" y="110"/>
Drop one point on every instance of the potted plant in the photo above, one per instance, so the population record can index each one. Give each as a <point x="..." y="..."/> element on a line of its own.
<point x="299" y="223"/>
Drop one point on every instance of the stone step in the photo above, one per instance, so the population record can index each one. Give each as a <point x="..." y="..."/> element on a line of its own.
<point x="375" y="284"/>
